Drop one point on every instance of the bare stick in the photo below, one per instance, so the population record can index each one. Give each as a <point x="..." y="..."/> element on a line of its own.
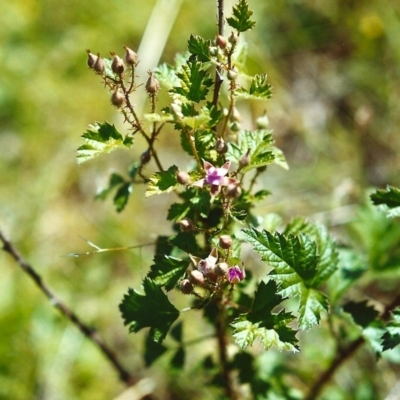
<point x="218" y="78"/>
<point x="90" y="333"/>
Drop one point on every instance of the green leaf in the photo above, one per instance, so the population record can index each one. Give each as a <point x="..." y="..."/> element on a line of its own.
<point x="178" y="359"/>
<point x="259" y="89"/>
<point x="176" y="332"/>
<point x="259" y="146"/>
<point x="389" y="198"/>
<point x="391" y="338"/>
<point x="152" y="351"/>
<point x="260" y="323"/>
<point x="200" y="48"/>
<point x="166" y="74"/>
<point x="178" y="211"/>
<point x="122" y="196"/>
<point x="115" y="180"/>
<point x="362" y="314"/>
<point x="151" y="309"/>
<point x="166" y="271"/>
<point x="101" y="139"/>
<point x="295" y="262"/>
<point x="162" y="182"/>
<point x="241" y="20"/>
<point x="194" y="82"/>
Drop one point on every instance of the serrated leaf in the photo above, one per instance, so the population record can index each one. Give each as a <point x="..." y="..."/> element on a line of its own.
<point x="362" y="313"/>
<point x="241" y="20"/>
<point x="260" y="323"/>
<point x="259" y="89"/>
<point x="312" y="303"/>
<point x="152" y="351"/>
<point x="154" y="117"/>
<point x="122" y="196"/>
<point x="100" y="139"/>
<point x="389" y="197"/>
<point x="200" y="48"/>
<point x="151" y="309"/>
<point x="162" y="182"/>
<point x="166" y="74"/>
<point x="178" y="211"/>
<point x="391" y="337"/>
<point x="194" y="82"/>
<point x="166" y="271"/>
<point x="259" y="146"/>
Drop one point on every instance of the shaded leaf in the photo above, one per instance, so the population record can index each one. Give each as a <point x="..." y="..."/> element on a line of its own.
<point x="162" y="182"/>
<point x="199" y="47"/>
<point x="152" y="351"/>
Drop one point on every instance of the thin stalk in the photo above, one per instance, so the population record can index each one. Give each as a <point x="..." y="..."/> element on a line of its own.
<point x="218" y="79"/>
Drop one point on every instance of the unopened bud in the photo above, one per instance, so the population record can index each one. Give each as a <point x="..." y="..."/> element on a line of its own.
<point x="152" y="84"/>
<point x="233" y="190"/>
<point x="221" y="146"/>
<point x="235" y="126"/>
<point x="117" y="64"/>
<point x="130" y="56"/>
<point x="222" y="269"/>
<point x="225" y="241"/>
<point x="196" y="277"/>
<point x="233" y="38"/>
<point x="221" y="42"/>
<point x="213" y="51"/>
<point x="145" y="157"/>
<point x="186" y="225"/>
<point x="99" y="65"/>
<point x="183" y="177"/>
<point x="236" y="274"/>
<point x="244" y="161"/>
<point x="262" y="122"/>
<point x="117" y="99"/>
<point x="91" y="59"/>
<point x="186" y="286"/>
<point x="232" y="74"/>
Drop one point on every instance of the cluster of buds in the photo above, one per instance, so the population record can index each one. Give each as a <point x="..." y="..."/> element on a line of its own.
<point x="212" y="271"/>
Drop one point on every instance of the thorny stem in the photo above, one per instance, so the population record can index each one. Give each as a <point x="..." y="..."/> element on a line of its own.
<point x="344" y="355"/>
<point x="89" y="332"/>
<point x="218" y="78"/>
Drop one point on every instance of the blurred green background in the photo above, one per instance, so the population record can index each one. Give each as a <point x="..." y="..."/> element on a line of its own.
<point x="334" y="65"/>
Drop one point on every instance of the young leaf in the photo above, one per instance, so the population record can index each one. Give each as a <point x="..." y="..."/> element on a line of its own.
<point x="260" y="323"/>
<point x="259" y="89"/>
<point x="241" y="20"/>
<point x="100" y="139"/>
<point x="151" y="309"/>
<point x="152" y="351"/>
<point x="362" y="314"/>
<point x="122" y="196"/>
<point x="391" y="338"/>
<point x="178" y="359"/>
<point x="200" y="48"/>
<point x="166" y="271"/>
<point x="389" y="198"/>
<point x="115" y="181"/>
<point x="194" y="82"/>
<point x="162" y="182"/>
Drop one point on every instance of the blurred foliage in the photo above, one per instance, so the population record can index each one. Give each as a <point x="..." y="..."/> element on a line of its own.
<point x="335" y="113"/>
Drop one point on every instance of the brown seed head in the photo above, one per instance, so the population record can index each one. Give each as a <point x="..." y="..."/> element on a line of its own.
<point x="130" y="56"/>
<point x="117" y="64"/>
<point x="117" y="99"/>
<point x="91" y="59"/>
<point x="152" y="84"/>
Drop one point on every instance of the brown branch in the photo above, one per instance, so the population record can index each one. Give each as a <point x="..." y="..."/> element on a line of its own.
<point x="90" y="333"/>
<point x="345" y="354"/>
<point x="218" y="78"/>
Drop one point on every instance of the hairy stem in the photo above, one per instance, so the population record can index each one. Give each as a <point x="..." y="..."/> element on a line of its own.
<point x="218" y="78"/>
<point x="89" y="332"/>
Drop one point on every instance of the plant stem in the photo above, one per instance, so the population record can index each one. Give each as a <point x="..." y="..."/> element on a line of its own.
<point x="218" y="78"/>
<point x="89" y="332"/>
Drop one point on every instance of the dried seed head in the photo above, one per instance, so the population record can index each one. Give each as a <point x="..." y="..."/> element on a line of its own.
<point x="196" y="277"/>
<point x="183" y="177"/>
<point x="117" y="64"/>
<point x="91" y="59"/>
<point x="130" y="56"/>
<point x="99" y="65"/>
<point x="117" y="99"/>
<point x="187" y="225"/>
<point x="186" y="286"/>
<point x="152" y="84"/>
<point x="221" y="42"/>
<point x="221" y="146"/>
<point x="244" y="161"/>
<point x="225" y="241"/>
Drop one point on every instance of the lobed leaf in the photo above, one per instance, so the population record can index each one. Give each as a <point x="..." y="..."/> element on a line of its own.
<point x="259" y="89"/>
<point x="391" y="338"/>
<point x="200" y="48"/>
<point x="162" y="182"/>
<point x="241" y="20"/>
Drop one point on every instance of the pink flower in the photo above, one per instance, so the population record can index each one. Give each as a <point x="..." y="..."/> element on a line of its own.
<point x="236" y="274"/>
<point x="216" y="177"/>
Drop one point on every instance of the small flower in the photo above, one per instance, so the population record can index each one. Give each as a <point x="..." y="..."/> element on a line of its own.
<point x="216" y="177"/>
<point x="236" y="274"/>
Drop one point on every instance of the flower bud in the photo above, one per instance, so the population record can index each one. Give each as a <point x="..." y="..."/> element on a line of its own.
<point x="130" y="56"/>
<point x="213" y="51"/>
<point x="183" y="177"/>
<point x="186" y="225"/>
<point x="117" y="64"/>
<point x="222" y="269"/>
<point x="186" y="286"/>
<point x="152" y="84"/>
<point x="221" y="146"/>
<point x="235" y="126"/>
<point x="225" y="242"/>
<point x="196" y="277"/>
<point x="99" y="65"/>
<point x="91" y="59"/>
<point x="232" y="74"/>
<point x="233" y="190"/>
<point x="262" y="122"/>
<point x="236" y="274"/>
<point x="233" y="38"/>
<point x="221" y="42"/>
<point x="117" y="99"/>
<point x="244" y="161"/>
<point x="145" y="157"/>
